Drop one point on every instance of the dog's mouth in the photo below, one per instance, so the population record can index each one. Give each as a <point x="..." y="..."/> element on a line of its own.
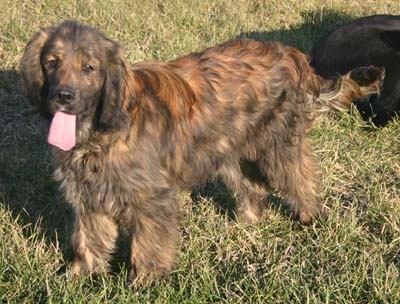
<point x="62" y="133"/>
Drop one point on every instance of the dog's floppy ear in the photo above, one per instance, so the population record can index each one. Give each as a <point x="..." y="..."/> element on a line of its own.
<point x="112" y="112"/>
<point x="31" y="70"/>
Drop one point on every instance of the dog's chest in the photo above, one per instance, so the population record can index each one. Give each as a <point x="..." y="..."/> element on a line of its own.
<point x="90" y="183"/>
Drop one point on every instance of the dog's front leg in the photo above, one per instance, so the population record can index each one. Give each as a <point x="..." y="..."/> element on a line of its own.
<point x="93" y="241"/>
<point x="155" y="238"/>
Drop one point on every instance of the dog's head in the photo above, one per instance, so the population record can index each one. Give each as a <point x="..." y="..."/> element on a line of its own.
<point x="76" y="69"/>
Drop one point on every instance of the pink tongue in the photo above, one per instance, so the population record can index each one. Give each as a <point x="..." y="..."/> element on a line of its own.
<point x="62" y="131"/>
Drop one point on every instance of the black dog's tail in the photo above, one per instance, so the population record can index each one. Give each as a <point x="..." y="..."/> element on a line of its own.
<point x="339" y="93"/>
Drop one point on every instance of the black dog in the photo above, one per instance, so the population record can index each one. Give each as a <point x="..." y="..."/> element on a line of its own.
<point x="370" y="40"/>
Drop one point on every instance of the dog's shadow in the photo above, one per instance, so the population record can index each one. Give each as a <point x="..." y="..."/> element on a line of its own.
<point x="316" y="25"/>
<point x="224" y="201"/>
<point x="27" y="190"/>
<point x="26" y="187"/>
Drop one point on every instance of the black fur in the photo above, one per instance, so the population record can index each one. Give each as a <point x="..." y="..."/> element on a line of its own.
<point x="372" y="40"/>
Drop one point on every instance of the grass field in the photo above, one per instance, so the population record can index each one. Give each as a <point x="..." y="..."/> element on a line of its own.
<point x="350" y="256"/>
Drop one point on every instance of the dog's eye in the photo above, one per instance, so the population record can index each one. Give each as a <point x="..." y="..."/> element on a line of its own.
<point x="88" y="68"/>
<point x="51" y="63"/>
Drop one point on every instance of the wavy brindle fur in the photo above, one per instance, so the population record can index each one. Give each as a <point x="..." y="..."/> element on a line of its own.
<point x="148" y="130"/>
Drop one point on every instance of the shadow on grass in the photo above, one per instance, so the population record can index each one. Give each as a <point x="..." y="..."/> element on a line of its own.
<point x="316" y="25"/>
<point x="225" y="203"/>
<point x="26" y="186"/>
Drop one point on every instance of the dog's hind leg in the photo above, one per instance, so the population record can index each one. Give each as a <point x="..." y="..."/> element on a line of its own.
<point x="250" y="193"/>
<point x="294" y="172"/>
<point x="93" y="241"/>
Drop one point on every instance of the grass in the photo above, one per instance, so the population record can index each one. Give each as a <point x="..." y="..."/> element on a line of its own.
<point x="350" y="256"/>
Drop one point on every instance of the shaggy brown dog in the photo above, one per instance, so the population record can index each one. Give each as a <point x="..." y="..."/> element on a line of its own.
<point x="146" y="131"/>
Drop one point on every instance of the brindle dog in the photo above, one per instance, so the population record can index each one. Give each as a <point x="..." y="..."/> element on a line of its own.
<point x="130" y="137"/>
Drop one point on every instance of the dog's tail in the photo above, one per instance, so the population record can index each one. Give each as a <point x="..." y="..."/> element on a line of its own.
<point x="357" y="84"/>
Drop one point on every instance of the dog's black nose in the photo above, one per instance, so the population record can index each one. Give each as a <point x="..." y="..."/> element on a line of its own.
<point x="65" y="95"/>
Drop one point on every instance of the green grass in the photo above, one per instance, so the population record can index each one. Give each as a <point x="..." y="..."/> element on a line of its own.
<point x="350" y="256"/>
